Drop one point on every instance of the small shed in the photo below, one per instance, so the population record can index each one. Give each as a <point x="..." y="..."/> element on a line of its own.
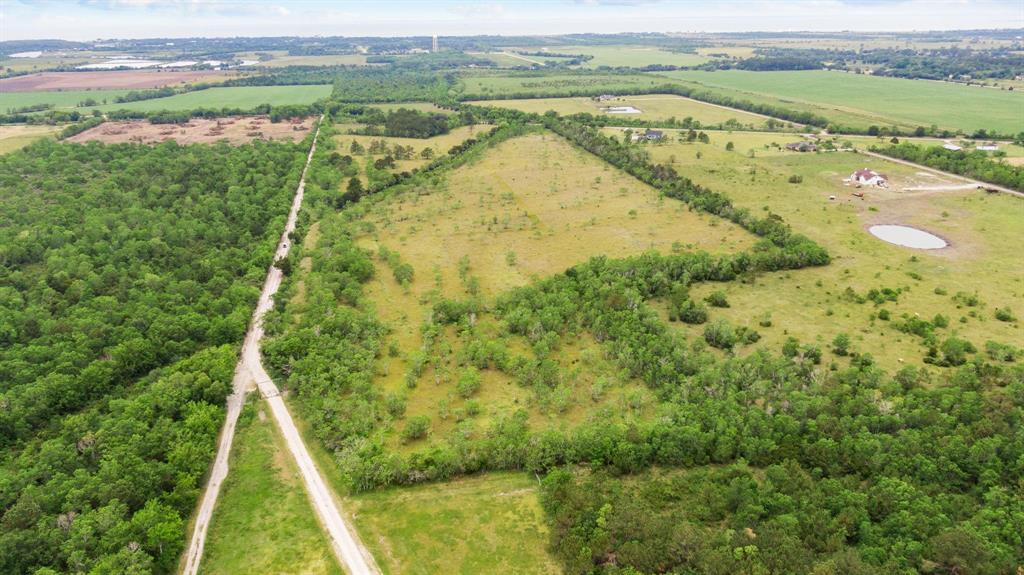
<point x="952" y="147"/>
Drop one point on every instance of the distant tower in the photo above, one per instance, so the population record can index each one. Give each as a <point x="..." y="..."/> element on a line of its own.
<point x="433" y="47"/>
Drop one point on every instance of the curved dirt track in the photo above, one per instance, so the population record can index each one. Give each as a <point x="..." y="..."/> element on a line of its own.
<point x="344" y="541"/>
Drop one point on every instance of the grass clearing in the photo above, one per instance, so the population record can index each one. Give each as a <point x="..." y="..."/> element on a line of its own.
<point x="531" y="207"/>
<point x="263" y="522"/>
<point x="439" y="144"/>
<point x="15" y="137"/>
<point x="654" y="107"/>
<point x="982" y="258"/>
<point x="491" y="523"/>
<point x="860" y="100"/>
<point x="484" y="85"/>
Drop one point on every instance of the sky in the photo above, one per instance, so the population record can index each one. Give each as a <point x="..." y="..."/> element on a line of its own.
<point x="95" y="19"/>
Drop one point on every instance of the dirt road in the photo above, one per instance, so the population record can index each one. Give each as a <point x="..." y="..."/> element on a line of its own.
<point x="968" y="181"/>
<point x="344" y="542"/>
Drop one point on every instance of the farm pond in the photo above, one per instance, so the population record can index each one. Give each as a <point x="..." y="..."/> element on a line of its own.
<point x="907" y="236"/>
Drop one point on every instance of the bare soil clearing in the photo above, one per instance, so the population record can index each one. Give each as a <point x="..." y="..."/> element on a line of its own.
<point x="235" y="130"/>
<point x="136" y="79"/>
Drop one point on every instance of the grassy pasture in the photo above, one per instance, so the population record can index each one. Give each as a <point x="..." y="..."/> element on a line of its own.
<point x="440" y="144"/>
<point x="263" y="522"/>
<point x="419" y="106"/>
<point x="484" y="524"/>
<point x="244" y="97"/>
<point x="632" y="56"/>
<point x="15" y="137"/>
<point x="654" y="107"/>
<point x="860" y="100"/>
<point x="809" y="304"/>
<point x="531" y="207"/>
<point x="553" y="85"/>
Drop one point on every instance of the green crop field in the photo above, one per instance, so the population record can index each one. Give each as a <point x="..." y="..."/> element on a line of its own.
<point x="652" y="106"/>
<point x="244" y="97"/>
<point x="861" y="100"/>
<point x="552" y="85"/>
<point x="982" y="258"/>
<point x="263" y="522"/>
<point x="62" y="99"/>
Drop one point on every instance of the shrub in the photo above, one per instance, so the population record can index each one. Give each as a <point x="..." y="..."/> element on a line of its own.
<point x="796" y="179"/>
<point x="883" y="314"/>
<point x="720" y="334"/>
<point x="693" y="312"/>
<point x="841" y="344"/>
<point x="416" y="428"/>
<point x="717" y="299"/>
<point x="1000" y="351"/>
<point x="1005" y="314"/>
<point x="469" y="382"/>
<point x="955" y="350"/>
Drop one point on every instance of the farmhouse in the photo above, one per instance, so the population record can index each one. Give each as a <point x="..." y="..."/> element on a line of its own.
<point x="801" y="147"/>
<point x="952" y="147"/>
<point x="866" y="177"/>
<point x="648" y="135"/>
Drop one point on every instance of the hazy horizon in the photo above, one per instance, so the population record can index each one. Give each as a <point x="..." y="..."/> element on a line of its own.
<point x="88" y="20"/>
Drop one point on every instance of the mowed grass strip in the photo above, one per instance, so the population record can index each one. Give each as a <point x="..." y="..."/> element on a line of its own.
<point x="490" y="523"/>
<point x="263" y="522"/>
<point x="652" y="106"/>
<point x="861" y="100"/>
<point x="809" y="304"/>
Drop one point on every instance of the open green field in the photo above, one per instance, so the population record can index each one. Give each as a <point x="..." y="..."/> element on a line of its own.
<point x="652" y="106"/>
<point x="860" y="100"/>
<point x="17" y="137"/>
<point x="491" y="523"/>
<point x="263" y="522"/>
<point x="244" y="97"/>
<point x="62" y="99"/>
<point x="551" y="85"/>
<point x="810" y="304"/>
<point x="632" y="56"/>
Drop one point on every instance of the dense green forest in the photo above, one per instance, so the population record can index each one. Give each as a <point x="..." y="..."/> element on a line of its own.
<point x="115" y="261"/>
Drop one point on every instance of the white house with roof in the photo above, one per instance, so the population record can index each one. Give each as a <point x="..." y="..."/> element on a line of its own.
<point x="866" y="177"/>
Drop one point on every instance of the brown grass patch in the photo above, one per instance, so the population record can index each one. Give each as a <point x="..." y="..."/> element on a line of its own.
<point x="234" y="130"/>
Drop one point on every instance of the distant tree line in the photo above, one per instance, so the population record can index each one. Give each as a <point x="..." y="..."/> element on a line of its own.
<point x="976" y="164"/>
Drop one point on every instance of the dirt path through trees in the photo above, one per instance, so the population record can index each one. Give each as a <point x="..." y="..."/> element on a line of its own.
<point x="344" y="542"/>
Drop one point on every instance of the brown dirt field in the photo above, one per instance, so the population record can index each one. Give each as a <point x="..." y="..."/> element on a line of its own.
<point x="115" y="79"/>
<point x="234" y="130"/>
